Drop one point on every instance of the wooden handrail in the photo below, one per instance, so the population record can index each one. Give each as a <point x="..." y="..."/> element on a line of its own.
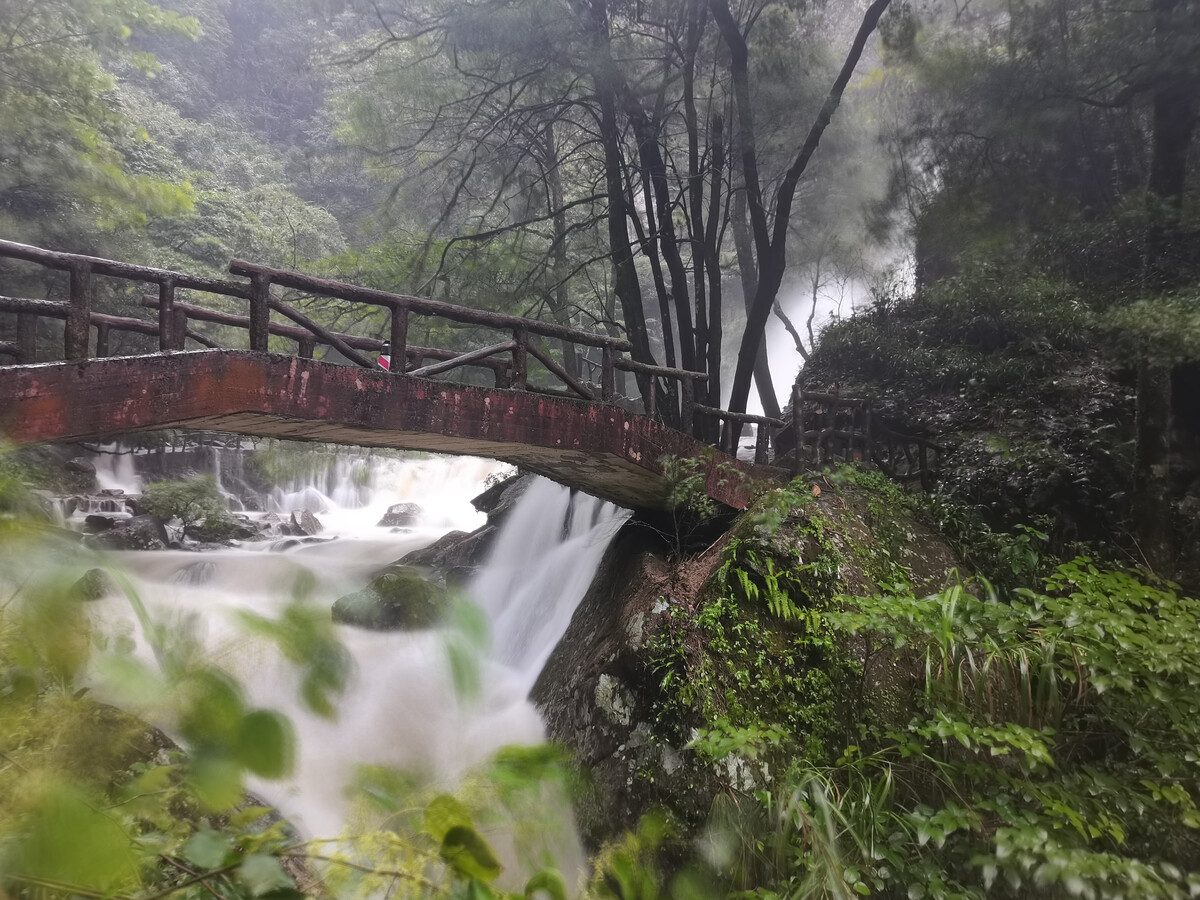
<point x="53" y="259"/>
<point x="422" y="306"/>
<point x="464" y="359"/>
<point x="298" y="334"/>
<point x="629" y="365"/>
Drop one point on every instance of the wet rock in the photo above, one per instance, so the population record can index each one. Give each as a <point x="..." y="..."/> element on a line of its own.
<point x="95" y="523"/>
<point x="303" y="524"/>
<point x="80" y="466"/>
<point x="137" y="533"/>
<point x="398" y="598"/>
<point x="499" y="498"/>
<point x="401" y="515"/>
<point x="454" y="557"/>
<point x="94" y="584"/>
<point x="221" y="532"/>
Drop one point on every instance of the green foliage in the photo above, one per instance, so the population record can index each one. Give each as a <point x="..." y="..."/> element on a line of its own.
<point x="691" y="505"/>
<point x="754" y="652"/>
<point x="62" y="137"/>
<point x="96" y="804"/>
<point x="1050" y="750"/>
<point x="193" y="501"/>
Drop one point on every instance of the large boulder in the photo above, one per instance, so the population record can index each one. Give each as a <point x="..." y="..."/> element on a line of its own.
<point x="502" y="496"/>
<point x="136" y="533"/>
<point x="661" y="649"/>
<point x="454" y="557"/>
<point x="222" y="531"/>
<point x="401" y="515"/>
<point x="400" y="598"/>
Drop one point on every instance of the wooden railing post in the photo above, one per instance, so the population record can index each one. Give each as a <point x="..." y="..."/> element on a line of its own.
<point x="260" y="311"/>
<point x="687" y="406"/>
<point x="179" y="320"/>
<point x="306" y="347"/>
<point x="102" y="339"/>
<point x="798" y="425"/>
<point x="399" y="339"/>
<point x="26" y="337"/>
<point x="608" y="373"/>
<point x="166" y="316"/>
<point x="520" y="369"/>
<point x="652" y="398"/>
<point x="79" y="318"/>
<point x="762" y="443"/>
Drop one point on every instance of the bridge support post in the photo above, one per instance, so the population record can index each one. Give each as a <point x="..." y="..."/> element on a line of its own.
<point x="687" y="406"/>
<point x="260" y="311"/>
<point x="608" y="374"/>
<point x="399" y="338"/>
<point x="306" y="347"/>
<point x="77" y="332"/>
<point x="179" y="320"/>
<point x="166" y="316"/>
<point x="101" y="340"/>
<point x="26" y="337"/>
<point x="762" y="443"/>
<point x="520" y="368"/>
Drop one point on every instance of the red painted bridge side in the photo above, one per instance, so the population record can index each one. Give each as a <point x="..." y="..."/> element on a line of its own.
<point x="598" y="448"/>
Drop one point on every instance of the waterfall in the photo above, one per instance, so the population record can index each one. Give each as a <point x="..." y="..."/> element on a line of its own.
<point x="115" y="470"/>
<point x="401" y="708"/>
<point x="548" y="552"/>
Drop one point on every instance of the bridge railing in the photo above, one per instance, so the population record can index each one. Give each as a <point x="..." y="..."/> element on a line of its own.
<point x="508" y="360"/>
<point x="824" y="426"/>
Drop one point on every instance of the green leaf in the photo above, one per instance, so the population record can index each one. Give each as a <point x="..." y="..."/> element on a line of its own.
<point x="244" y="817"/>
<point x="547" y="881"/>
<point x="216" y="779"/>
<point x="206" y="849"/>
<point x="469" y="855"/>
<point x="265" y="744"/>
<point x="444" y="813"/>
<point x="262" y="873"/>
<point x="69" y="841"/>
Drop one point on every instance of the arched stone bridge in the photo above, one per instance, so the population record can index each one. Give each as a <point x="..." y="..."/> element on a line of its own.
<point x="596" y="447"/>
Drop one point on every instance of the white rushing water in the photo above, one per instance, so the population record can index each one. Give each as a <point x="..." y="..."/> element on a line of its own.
<point x="401" y="709"/>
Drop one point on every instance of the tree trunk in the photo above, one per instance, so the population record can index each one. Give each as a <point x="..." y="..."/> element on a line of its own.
<point x="771" y="242"/>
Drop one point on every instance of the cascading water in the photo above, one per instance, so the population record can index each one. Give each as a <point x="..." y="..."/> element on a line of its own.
<point x="401" y="709"/>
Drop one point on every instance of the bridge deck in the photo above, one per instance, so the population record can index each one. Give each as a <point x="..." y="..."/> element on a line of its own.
<point x="598" y="448"/>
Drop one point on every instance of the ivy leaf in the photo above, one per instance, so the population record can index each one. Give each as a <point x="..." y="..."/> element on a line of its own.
<point x="265" y="744"/>
<point x="206" y="849"/>
<point x="262" y="873"/>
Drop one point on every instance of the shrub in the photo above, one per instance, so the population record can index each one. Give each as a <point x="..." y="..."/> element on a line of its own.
<point x="196" y="501"/>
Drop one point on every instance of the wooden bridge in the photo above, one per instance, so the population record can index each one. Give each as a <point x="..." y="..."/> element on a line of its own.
<point x="533" y="412"/>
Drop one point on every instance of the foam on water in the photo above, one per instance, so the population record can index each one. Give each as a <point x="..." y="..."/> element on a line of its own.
<point x="401" y="708"/>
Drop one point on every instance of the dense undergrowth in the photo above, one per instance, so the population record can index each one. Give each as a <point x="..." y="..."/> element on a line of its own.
<point x="1028" y="381"/>
<point x="1033" y="734"/>
<point x="1032" y="740"/>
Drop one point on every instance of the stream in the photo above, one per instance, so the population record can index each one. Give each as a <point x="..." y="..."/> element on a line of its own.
<point x="401" y="708"/>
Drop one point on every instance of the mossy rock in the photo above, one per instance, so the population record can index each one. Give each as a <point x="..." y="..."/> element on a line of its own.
<point x="400" y="598"/>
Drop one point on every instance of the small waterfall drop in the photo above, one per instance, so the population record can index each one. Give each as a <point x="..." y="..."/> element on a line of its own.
<point x="547" y="554"/>
<point x="115" y="470"/>
<point x="401" y="708"/>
